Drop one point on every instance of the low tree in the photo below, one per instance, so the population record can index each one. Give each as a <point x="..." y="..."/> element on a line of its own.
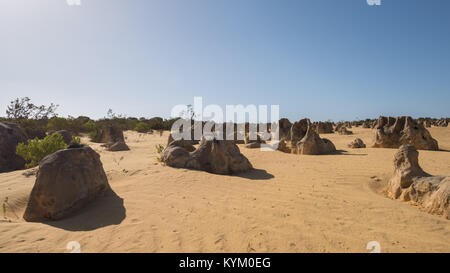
<point x="23" y="108"/>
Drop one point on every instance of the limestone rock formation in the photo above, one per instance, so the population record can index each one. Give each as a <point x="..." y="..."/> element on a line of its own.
<point x="66" y="181"/>
<point x="214" y="156"/>
<point x="118" y="146"/>
<point x="356" y="144"/>
<point x="393" y="132"/>
<point x="340" y="125"/>
<point x="312" y="144"/>
<point x="343" y="131"/>
<point x="304" y="139"/>
<point x="284" y="128"/>
<point x="442" y="123"/>
<point x="188" y="145"/>
<point x="411" y="184"/>
<point x="111" y="134"/>
<point x="299" y="129"/>
<point x="10" y="136"/>
<point x="324" y="127"/>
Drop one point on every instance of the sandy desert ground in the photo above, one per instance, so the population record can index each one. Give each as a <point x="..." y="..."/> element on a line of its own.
<point x="289" y="203"/>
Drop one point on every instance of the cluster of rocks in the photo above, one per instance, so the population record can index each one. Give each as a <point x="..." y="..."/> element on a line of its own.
<point x="214" y="156"/>
<point x="342" y="128"/>
<point x="10" y="136"/>
<point x="369" y="124"/>
<point x="302" y="138"/>
<point x="66" y="181"/>
<point x="411" y="184"/>
<point x="428" y="122"/>
<point x="113" y="138"/>
<point x="346" y="124"/>
<point x="239" y="133"/>
<point x="393" y="132"/>
<point x="442" y="123"/>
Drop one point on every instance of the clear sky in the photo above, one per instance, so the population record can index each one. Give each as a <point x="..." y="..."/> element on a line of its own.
<point x="323" y="59"/>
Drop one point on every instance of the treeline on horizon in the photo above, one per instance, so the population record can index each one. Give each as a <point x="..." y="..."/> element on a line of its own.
<point x="37" y="121"/>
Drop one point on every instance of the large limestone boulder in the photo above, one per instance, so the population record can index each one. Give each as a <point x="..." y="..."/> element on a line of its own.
<point x="304" y="139"/>
<point x="111" y="134"/>
<point x="66" y="181"/>
<point x="118" y="146"/>
<point x="312" y="144"/>
<point x="113" y="138"/>
<point x="187" y="144"/>
<point x="10" y="136"/>
<point x="214" y="156"/>
<point x="411" y="184"/>
<point x="284" y="147"/>
<point x="394" y="132"/>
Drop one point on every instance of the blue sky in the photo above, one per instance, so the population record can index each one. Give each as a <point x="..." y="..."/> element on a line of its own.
<point x="323" y="59"/>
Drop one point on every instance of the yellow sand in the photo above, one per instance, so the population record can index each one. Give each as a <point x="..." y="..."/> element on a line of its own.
<point x="291" y="203"/>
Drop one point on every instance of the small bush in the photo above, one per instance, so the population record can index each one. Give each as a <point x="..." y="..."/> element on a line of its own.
<point x="35" y="150"/>
<point x="159" y="148"/>
<point x="89" y="126"/>
<point x="142" y="127"/>
<point x="95" y="135"/>
<point x="75" y="140"/>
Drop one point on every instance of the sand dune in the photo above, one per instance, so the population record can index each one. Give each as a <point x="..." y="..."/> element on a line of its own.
<point x="289" y="203"/>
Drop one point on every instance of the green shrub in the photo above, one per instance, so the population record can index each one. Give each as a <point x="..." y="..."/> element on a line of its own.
<point x="95" y="135"/>
<point x="142" y="127"/>
<point x="89" y="126"/>
<point x="57" y="123"/>
<point x="33" y="128"/>
<point x="156" y="123"/>
<point x="76" y="140"/>
<point x="93" y="129"/>
<point x="159" y="148"/>
<point x="35" y="150"/>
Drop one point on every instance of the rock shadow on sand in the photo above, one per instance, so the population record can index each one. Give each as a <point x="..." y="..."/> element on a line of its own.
<point x="256" y="174"/>
<point x="105" y="211"/>
<point x="345" y="152"/>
